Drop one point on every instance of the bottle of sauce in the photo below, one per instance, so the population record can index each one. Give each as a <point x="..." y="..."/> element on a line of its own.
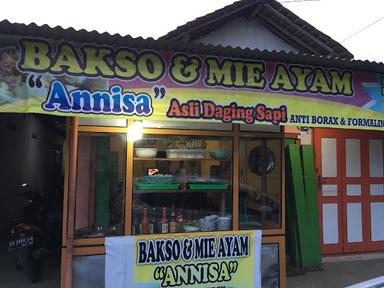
<point x="136" y="227"/>
<point x="134" y="222"/>
<point x="152" y="222"/>
<point x="164" y="222"/>
<point x="145" y="223"/>
<point x="172" y="222"/>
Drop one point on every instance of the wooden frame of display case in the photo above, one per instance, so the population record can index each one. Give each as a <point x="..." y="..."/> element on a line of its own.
<point x="93" y="246"/>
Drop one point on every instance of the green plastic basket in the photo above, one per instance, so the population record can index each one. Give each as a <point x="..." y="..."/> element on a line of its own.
<point x="211" y="186"/>
<point x="144" y="186"/>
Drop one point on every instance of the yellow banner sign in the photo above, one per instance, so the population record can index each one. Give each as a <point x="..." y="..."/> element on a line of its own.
<point x="88" y="80"/>
<point x="209" y="259"/>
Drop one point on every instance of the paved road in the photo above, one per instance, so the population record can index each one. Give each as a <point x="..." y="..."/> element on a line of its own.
<point x="10" y="277"/>
<point x="339" y="274"/>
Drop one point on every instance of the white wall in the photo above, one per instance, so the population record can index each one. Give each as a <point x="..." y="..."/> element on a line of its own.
<point x="306" y="136"/>
<point x="245" y="33"/>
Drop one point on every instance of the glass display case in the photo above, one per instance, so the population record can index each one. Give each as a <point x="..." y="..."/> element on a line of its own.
<point x="181" y="181"/>
<point x="178" y="177"/>
<point x="182" y="184"/>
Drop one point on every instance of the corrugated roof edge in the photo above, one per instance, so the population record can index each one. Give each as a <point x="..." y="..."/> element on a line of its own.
<point x="71" y="34"/>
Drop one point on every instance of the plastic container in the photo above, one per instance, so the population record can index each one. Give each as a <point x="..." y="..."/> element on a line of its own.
<point x="197" y="153"/>
<point x="186" y="153"/>
<point x="146" y="152"/>
<point x="191" y="228"/>
<point x="219" y="154"/>
<point x="157" y="179"/>
<point x="173" y="153"/>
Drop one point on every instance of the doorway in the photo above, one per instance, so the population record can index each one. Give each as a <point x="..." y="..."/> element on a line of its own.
<point x="31" y="152"/>
<point x="350" y="170"/>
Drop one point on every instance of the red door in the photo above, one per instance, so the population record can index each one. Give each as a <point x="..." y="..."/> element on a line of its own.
<point x="350" y="168"/>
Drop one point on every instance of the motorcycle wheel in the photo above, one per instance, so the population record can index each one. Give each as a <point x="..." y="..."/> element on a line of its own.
<point x="32" y="268"/>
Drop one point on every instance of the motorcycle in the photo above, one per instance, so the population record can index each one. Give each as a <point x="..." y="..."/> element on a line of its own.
<point x="27" y="236"/>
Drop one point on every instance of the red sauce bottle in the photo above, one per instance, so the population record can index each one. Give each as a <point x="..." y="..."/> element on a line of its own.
<point x="172" y="222"/>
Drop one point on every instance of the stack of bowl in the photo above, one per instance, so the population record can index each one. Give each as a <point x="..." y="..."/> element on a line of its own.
<point x="208" y="223"/>
<point x="224" y="223"/>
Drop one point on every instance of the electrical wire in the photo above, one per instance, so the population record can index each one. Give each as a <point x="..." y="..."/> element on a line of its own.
<point x="362" y="29"/>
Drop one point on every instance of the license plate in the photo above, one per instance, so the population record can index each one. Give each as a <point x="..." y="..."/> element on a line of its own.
<point x="20" y="242"/>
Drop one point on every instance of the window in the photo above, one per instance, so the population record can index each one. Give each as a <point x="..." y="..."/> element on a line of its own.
<point x="100" y="187"/>
<point x="260" y="183"/>
<point x="182" y="184"/>
<point x="270" y="265"/>
<point x="88" y="271"/>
